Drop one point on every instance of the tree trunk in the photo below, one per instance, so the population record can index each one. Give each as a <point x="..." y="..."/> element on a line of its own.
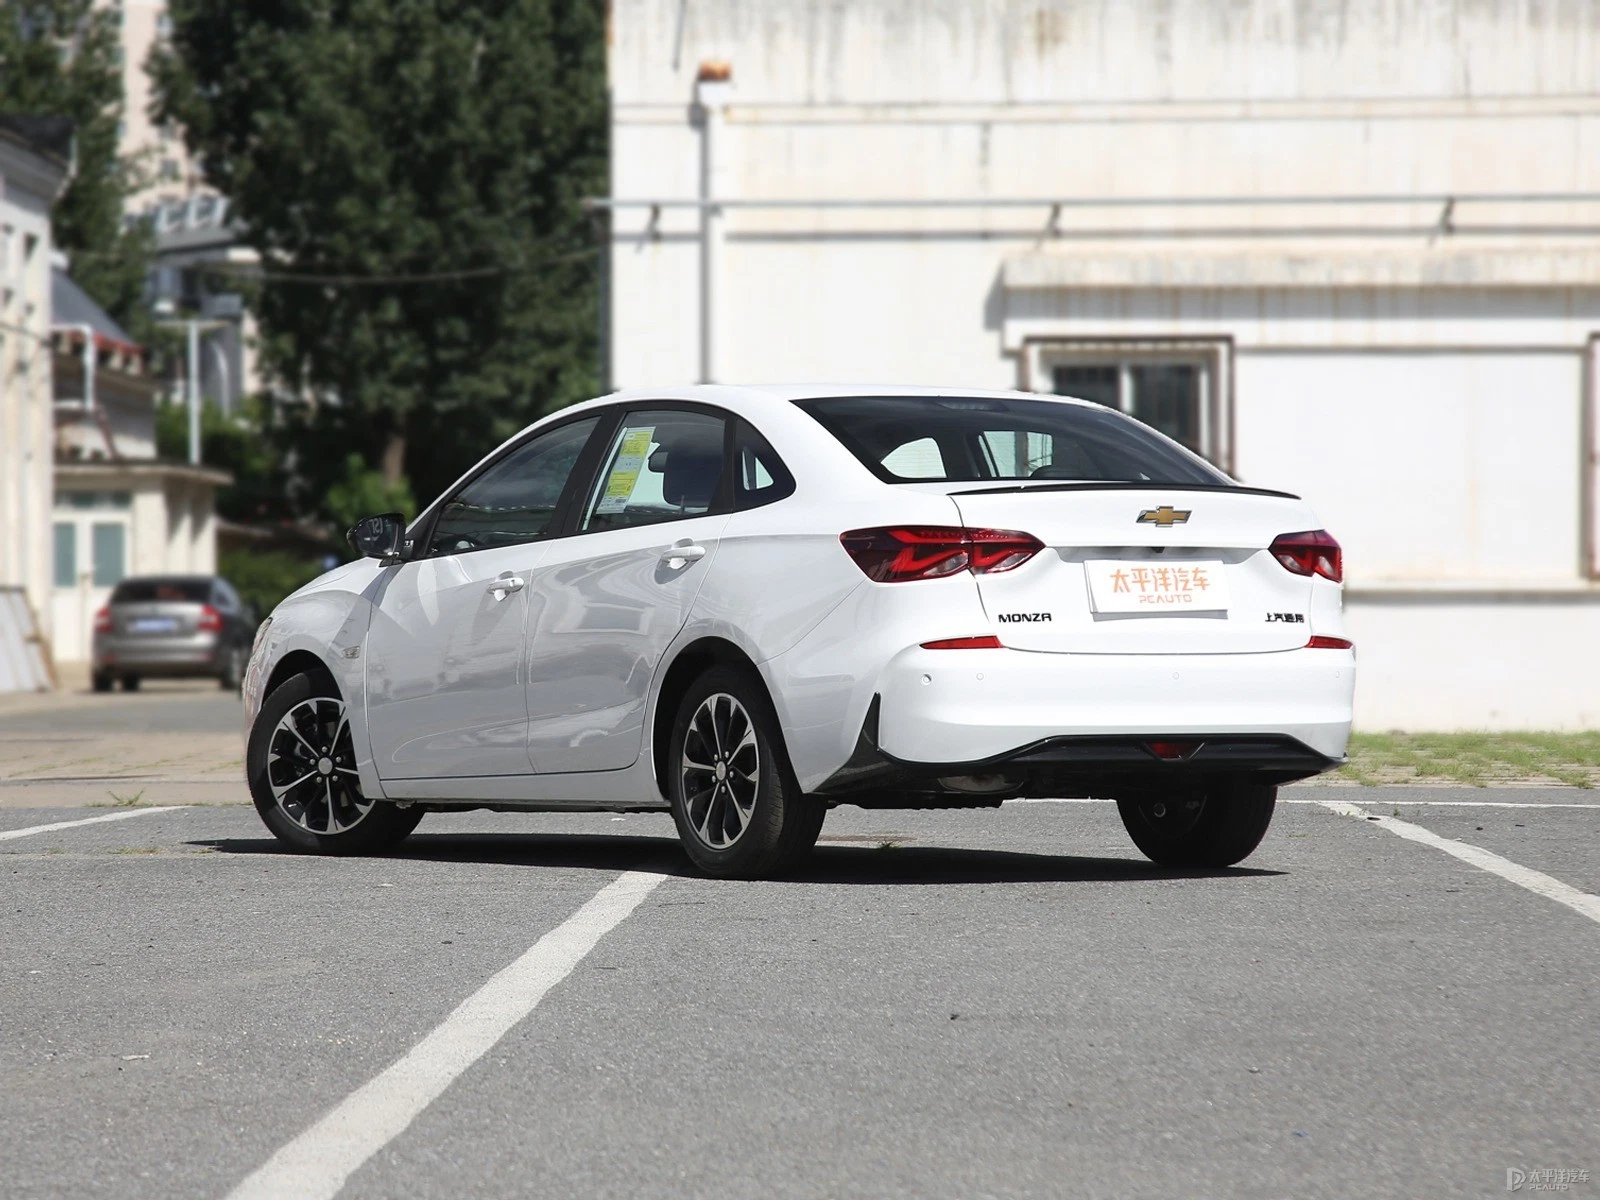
<point x="394" y="456"/>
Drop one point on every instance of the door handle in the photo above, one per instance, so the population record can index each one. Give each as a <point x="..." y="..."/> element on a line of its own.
<point x="505" y="585"/>
<point x="681" y="555"/>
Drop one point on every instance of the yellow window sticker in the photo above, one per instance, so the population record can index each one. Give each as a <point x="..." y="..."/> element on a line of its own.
<point x="625" y="470"/>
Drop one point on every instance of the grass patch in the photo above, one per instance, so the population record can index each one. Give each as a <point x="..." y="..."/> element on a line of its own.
<point x="1476" y="759"/>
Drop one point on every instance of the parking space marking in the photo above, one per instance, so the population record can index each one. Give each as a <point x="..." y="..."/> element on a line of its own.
<point x="7" y="835"/>
<point x="315" y="1165"/>
<point x="1535" y="881"/>
<point x="1398" y="803"/>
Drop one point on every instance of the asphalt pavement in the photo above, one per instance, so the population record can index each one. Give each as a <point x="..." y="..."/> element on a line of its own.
<point x="987" y="1003"/>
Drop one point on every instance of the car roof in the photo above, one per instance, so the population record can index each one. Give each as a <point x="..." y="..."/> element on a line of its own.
<point x="734" y="395"/>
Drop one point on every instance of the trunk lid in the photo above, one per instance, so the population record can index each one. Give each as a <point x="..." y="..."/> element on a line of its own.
<point x="1144" y="569"/>
<point x="155" y="618"/>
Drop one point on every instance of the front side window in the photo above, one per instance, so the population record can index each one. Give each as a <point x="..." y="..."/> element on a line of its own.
<point x="663" y="465"/>
<point x="909" y="439"/>
<point x="515" y="499"/>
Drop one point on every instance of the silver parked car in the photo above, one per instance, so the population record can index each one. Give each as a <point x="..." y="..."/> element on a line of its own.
<point x="183" y="626"/>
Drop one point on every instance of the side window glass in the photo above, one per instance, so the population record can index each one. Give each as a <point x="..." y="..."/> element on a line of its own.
<point x="515" y="500"/>
<point x="662" y="466"/>
<point x="919" y="459"/>
<point x="760" y="476"/>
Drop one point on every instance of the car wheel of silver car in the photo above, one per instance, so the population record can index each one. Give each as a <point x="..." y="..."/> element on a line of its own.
<point x="232" y="677"/>
<point x="739" y="811"/>
<point x="1215" y="826"/>
<point x="302" y="772"/>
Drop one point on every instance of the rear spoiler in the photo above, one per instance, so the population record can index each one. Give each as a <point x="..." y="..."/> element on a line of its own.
<point x="1230" y="488"/>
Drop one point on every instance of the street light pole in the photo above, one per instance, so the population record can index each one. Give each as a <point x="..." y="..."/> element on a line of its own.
<point x="194" y="393"/>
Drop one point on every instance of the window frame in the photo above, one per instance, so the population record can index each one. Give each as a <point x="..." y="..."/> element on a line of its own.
<point x="1213" y="356"/>
<point x="782" y="479"/>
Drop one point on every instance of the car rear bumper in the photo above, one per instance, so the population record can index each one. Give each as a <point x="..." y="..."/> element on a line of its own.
<point x="196" y="654"/>
<point x="1277" y="716"/>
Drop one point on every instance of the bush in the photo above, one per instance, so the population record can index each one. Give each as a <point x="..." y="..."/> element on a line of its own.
<point x="264" y="578"/>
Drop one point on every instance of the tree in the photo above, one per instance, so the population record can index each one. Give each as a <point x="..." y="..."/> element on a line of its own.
<point x="409" y="172"/>
<point x="59" y="58"/>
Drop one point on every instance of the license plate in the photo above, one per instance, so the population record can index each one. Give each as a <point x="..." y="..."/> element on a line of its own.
<point x="153" y="625"/>
<point x="1118" y="586"/>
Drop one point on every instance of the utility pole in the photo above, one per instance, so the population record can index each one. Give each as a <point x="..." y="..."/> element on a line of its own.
<point x="194" y="393"/>
<point x="712" y="90"/>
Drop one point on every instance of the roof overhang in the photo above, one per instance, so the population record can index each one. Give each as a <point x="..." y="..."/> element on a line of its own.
<point x="146" y="470"/>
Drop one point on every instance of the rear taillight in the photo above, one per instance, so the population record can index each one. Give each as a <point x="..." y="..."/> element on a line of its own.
<point x="1312" y="553"/>
<point x="985" y="641"/>
<point x="210" y="620"/>
<point x="900" y="553"/>
<point x="1322" y="642"/>
<point x="102" y="620"/>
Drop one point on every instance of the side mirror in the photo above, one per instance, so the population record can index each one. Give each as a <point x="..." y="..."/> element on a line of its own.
<point x="380" y="537"/>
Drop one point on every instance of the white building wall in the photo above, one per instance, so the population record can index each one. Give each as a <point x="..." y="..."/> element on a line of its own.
<point x="26" y="428"/>
<point x="1422" y="373"/>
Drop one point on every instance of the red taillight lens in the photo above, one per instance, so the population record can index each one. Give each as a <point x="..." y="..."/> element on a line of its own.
<point x="102" y="620"/>
<point x="900" y="553"/>
<point x="1173" y="751"/>
<point x="1311" y="553"/>
<point x="986" y="642"/>
<point x="210" y="620"/>
<point x="1320" y="642"/>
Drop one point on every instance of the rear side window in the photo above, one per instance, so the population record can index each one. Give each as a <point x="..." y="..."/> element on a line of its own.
<point x="663" y="465"/>
<point x="147" y="591"/>
<point x="759" y="474"/>
<point x="910" y="439"/>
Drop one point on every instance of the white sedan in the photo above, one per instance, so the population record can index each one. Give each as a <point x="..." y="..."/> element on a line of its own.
<point x="746" y="605"/>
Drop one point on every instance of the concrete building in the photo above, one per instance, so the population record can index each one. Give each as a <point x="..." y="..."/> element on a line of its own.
<point x="159" y="148"/>
<point x="118" y="509"/>
<point x="1351" y="250"/>
<point x="35" y="164"/>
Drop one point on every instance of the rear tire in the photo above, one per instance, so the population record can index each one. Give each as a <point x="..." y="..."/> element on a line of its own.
<point x="130" y="683"/>
<point x="300" y="764"/>
<point x="1227" y="826"/>
<point x="232" y="677"/>
<point x="102" y="681"/>
<point x="739" y="810"/>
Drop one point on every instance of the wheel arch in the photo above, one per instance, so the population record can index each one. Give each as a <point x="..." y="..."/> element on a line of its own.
<point x="689" y="664"/>
<point x="297" y="662"/>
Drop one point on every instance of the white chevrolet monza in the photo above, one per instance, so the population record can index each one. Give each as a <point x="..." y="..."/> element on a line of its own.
<point x="746" y="605"/>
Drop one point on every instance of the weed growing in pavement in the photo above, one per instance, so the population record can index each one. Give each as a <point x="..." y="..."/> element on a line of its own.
<point x="124" y="801"/>
<point x="1479" y="759"/>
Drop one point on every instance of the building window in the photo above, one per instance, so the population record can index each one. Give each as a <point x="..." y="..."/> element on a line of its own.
<point x="1179" y="388"/>
<point x="170" y="170"/>
<point x="66" y="554"/>
<point x="110" y="553"/>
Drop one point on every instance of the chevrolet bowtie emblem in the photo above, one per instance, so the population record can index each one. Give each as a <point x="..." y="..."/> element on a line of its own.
<point x="1165" y="516"/>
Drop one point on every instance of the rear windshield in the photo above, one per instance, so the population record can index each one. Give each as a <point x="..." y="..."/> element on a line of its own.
<point x="143" y="591"/>
<point x="919" y="439"/>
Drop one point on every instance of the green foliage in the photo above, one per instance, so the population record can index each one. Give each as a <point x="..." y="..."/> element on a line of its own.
<point x="1479" y="758"/>
<point x="59" y="58"/>
<point x="248" y="444"/>
<point x="263" y="578"/>
<point x="363" y="492"/>
<point x="409" y="172"/>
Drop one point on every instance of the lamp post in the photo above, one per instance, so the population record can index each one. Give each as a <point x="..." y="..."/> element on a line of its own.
<point x="193" y="326"/>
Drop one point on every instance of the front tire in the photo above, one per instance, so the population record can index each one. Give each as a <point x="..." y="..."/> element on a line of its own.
<point x="301" y="768"/>
<point x="130" y="683"/>
<point x="1210" y="827"/>
<point x="737" y="805"/>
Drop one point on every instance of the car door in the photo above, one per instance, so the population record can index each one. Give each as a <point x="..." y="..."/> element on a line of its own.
<point x="607" y="601"/>
<point x="444" y="654"/>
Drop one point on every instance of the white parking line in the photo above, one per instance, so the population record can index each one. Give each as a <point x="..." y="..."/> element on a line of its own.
<point x="1525" y="877"/>
<point x="8" y="834"/>
<point x="315" y="1165"/>
<point x="1395" y="804"/>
